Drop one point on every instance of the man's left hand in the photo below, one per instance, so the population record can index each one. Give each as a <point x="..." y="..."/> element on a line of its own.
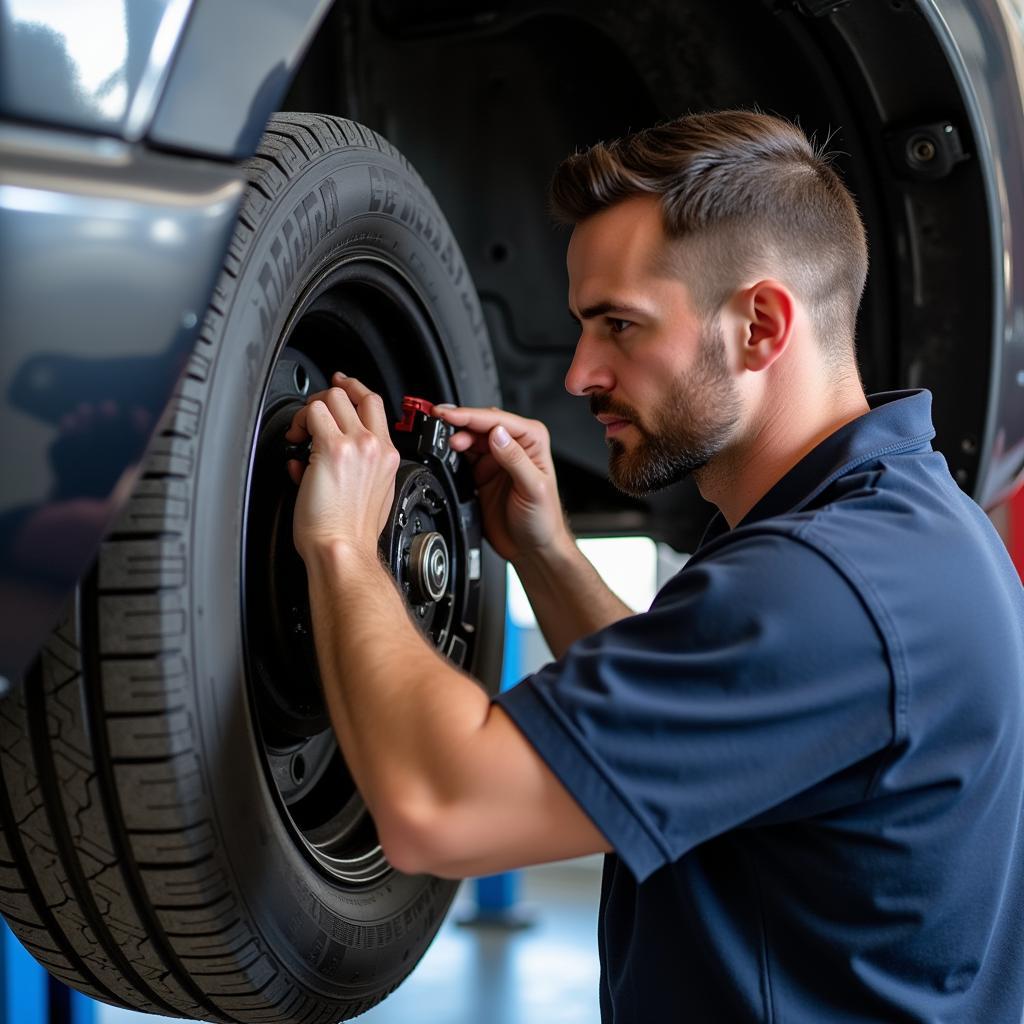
<point x="346" y="491"/>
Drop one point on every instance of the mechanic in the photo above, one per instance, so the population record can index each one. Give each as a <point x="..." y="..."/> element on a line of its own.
<point x="806" y="760"/>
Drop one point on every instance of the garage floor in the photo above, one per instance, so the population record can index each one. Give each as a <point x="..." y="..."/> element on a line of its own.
<point x="545" y="974"/>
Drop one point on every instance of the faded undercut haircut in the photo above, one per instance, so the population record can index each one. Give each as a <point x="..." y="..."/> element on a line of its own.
<point x="742" y="193"/>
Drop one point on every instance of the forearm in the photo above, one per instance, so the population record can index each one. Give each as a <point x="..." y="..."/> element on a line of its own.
<point x="568" y="596"/>
<point x="399" y="710"/>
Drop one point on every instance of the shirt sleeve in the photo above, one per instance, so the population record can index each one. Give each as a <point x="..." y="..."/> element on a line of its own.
<point x="756" y="674"/>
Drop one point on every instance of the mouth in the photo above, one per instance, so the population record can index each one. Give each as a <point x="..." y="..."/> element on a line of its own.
<point x="612" y="424"/>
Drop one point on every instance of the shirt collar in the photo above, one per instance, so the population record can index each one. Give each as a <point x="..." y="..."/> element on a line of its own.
<point x="897" y="421"/>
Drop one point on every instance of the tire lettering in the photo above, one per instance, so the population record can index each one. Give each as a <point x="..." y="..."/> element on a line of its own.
<point x="390" y="193"/>
<point x="282" y="263"/>
<point x="311" y="220"/>
<point x="293" y="245"/>
<point x="317" y="214"/>
<point x="269" y="286"/>
<point x="382" y="198"/>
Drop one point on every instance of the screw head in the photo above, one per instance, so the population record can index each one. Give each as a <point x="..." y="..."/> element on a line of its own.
<point x="922" y="149"/>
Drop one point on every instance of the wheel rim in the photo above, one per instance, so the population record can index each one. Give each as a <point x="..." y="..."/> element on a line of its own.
<point x="364" y="317"/>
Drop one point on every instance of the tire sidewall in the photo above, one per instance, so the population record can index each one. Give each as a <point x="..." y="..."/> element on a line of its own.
<point x="349" y="203"/>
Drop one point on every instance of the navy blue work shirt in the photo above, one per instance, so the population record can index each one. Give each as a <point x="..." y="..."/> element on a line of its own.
<point x="808" y="755"/>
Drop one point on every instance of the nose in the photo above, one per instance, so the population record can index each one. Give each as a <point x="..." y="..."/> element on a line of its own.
<point x="589" y="370"/>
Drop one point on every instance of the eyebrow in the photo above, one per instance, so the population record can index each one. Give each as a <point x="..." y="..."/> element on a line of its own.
<point x="608" y="306"/>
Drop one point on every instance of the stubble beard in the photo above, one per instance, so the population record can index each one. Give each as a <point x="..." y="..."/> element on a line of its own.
<point x="692" y="426"/>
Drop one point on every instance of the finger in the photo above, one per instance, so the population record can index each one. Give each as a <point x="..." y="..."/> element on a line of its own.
<point x="298" y="431"/>
<point x="368" y="404"/>
<point x="484" y="420"/>
<point x="295" y="469"/>
<point x="321" y="424"/>
<point x="485" y="469"/>
<point x="509" y="454"/>
<point x="469" y="441"/>
<point x="343" y="411"/>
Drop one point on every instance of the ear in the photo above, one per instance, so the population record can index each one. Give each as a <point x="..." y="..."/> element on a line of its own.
<point x="769" y="311"/>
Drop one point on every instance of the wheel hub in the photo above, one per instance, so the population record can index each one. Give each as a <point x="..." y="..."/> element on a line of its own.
<point x="431" y="545"/>
<point x="428" y="563"/>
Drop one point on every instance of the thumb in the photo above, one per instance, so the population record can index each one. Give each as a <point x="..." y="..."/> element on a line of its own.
<point x="509" y="454"/>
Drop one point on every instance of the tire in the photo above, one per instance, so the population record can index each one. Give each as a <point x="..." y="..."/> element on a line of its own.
<point x="153" y="854"/>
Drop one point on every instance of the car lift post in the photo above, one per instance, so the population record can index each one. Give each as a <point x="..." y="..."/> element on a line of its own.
<point x="28" y="995"/>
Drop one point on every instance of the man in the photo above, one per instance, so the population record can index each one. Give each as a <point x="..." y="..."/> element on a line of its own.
<point x="808" y="755"/>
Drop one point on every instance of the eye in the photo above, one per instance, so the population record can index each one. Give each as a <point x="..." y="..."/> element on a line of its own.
<point x="618" y="326"/>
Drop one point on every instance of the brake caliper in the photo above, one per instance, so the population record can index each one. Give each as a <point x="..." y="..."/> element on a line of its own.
<point x="432" y="542"/>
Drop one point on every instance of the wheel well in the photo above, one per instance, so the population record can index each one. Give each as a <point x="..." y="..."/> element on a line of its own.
<point x="485" y="102"/>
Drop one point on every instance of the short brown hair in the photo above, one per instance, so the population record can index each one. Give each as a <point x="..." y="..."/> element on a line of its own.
<point x="747" y="191"/>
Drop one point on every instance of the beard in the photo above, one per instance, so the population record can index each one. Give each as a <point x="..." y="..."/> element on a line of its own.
<point x="683" y="434"/>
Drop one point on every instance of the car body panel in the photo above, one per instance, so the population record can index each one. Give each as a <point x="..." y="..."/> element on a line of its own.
<point x="984" y="41"/>
<point x="109" y="255"/>
<point x="235" y="64"/>
<point x="98" y="67"/>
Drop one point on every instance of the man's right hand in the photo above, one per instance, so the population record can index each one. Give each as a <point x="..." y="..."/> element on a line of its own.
<point x="524" y="522"/>
<point x="515" y="478"/>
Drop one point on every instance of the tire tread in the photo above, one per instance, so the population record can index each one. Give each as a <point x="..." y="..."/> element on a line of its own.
<point x="109" y="865"/>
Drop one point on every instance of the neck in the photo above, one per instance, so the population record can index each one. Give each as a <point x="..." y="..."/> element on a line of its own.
<point x="744" y="472"/>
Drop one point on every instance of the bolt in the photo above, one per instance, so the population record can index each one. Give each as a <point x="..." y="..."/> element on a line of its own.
<point x="402" y="520"/>
<point x="922" y="149"/>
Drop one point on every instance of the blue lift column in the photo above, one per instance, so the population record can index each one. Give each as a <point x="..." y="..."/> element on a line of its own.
<point x="28" y="995"/>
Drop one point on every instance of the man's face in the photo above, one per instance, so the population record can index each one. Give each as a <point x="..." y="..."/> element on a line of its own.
<point x="658" y="376"/>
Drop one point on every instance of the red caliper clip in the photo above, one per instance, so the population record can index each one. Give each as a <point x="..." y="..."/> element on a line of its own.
<point x="411" y="406"/>
<point x="428" y="435"/>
